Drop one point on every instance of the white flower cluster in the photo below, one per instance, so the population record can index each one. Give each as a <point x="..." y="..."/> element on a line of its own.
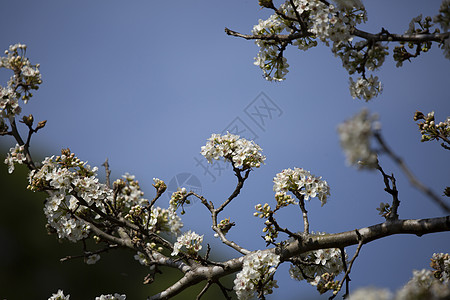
<point x="268" y="58"/>
<point x="131" y="193"/>
<point x="59" y="296"/>
<point x="303" y="182"/>
<point x="92" y="259"/>
<point x="315" y="263"/>
<point x="165" y="220"/>
<point x="73" y="186"/>
<point x="354" y="136"/>
<point x="365" y="88"/>
<point x="441" y="263"/>
<point x="68" y="179"/>
<point x="239" y="151"/>
<point x="26" y="77"/>
<point x="177" y="198"/>
<point x="131" y="200"/>
<point x="111" y="297"/>
<point x="370" y="293"/>
<point x="323" y="22"/>
<point x="257" y="275"/>
<point x="423" y="285"/>
<point x="15" y="155"/>
<point x="190" y="240"/>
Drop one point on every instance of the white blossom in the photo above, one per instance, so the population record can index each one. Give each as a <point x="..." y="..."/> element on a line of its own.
<point x="190" y="240"/>
<point x="230" y="147"/>
<point x="92" y="259"/>
<point x="423" y="285"/>
<point x="15" y="155"/>
<point x="303" y="182"/>
<point x="354" y="136"/>
<point x="59" y="296"/>
<point x="365" y="88"/>
<point x="257" y="268"/>
<point x="371" y="293"/>
<point x="116" y="296"/>
<point x="316" y="263"/>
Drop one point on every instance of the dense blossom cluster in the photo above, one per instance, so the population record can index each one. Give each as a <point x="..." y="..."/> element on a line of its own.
<point x="365" y="88"/>
<point x="74" y="190"/>
<point x="189" y="240"/>
<point x="178" y="198"/>
<point x="326" y="23"/>
<point x="303" y="182"/>
<point x="26" y="77"/>
<point x="354" y="136"/>
<point x="256" y="277"/>
<point x="68" y="179"/>
<point x="239" y="151"/>
<point x="313" y="264"/>
<point x="116" y="296"/>
<point x="60" y="296"/>
<point x="15" y="155"/>
<point x="315" y="20"/>
<point x="320" y="22"/>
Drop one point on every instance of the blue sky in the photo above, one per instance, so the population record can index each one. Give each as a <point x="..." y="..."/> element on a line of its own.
<point x="144" y="84"/>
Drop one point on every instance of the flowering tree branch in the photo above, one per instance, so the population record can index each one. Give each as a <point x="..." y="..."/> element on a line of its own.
<point x="304" y="23"/>
<point x="313" y="242"/>
<point x="80" y="207"/>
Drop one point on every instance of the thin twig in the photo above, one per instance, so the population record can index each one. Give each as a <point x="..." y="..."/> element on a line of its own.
<point x="108" y="173"/>
<point x="203" y="291"/>
<point x="412" y="179"/>
<point x="393" y="215"/>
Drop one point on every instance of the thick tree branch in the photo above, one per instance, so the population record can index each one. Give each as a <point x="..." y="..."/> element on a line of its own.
<point x="313" y="242"/>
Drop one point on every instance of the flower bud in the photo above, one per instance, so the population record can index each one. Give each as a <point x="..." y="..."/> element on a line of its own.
<point x="28" y="120"/>
<point x="418" y="115"/>
<point x="41" y="124"/>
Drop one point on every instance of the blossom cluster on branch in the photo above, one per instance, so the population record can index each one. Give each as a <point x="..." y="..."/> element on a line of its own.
<point x="305" y="23"/>
<point x="80" y="207"/>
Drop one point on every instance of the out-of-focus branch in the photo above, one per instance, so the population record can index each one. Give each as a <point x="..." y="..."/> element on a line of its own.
<point x="412" y="179"/>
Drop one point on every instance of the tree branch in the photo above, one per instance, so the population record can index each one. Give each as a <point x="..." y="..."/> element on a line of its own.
<point x="412" y="179"/>
<point x="417" y="227"/>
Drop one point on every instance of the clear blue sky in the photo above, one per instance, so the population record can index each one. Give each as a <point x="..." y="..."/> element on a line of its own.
<point x="145" y="83"/>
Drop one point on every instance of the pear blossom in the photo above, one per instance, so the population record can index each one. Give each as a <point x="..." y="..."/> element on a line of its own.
<point x="313" y="264"/>
<point x="189" y="240"/>
<point x="15" y="155"/>
<point x="116" y="296"/>
<point x="59" y="296"/>
<point x="258" y="267"/>
<point x="303" y="182"/>
<point x="230" y="147"/>
<point x="354" y="136"/>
